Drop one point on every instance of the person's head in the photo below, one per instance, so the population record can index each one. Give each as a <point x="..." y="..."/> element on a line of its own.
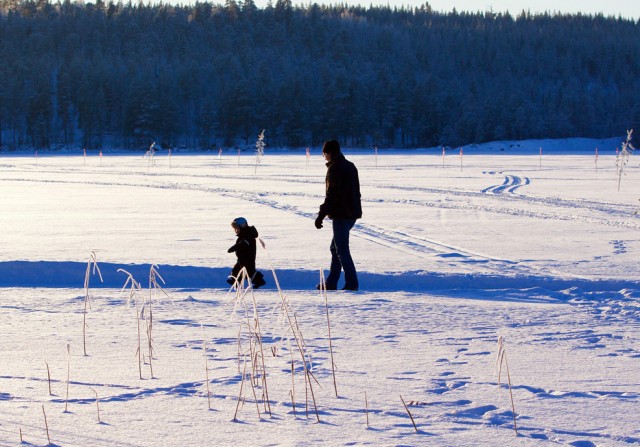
<point x="239" y="223"/>
<point x="331" y="149"/>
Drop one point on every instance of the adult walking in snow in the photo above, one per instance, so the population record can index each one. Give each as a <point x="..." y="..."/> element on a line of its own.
<point x="342" y="206"/>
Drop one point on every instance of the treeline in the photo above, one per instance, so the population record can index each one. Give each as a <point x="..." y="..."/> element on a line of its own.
<point x="123" y="75"/>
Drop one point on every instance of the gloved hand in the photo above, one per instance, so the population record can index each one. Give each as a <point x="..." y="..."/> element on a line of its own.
<point x="318" y="222"/>
<point x="231" y="249"/>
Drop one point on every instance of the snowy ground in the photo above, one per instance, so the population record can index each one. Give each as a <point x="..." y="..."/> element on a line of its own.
<point x="453" y="253"/>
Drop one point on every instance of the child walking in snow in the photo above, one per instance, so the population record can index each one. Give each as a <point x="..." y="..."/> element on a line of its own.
<point x="245" y="249"/>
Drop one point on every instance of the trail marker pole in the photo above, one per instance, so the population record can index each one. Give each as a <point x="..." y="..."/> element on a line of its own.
<point x="541" y="158"/>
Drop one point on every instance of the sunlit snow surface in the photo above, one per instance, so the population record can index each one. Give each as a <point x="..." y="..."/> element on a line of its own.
<point x="453" y="252"/>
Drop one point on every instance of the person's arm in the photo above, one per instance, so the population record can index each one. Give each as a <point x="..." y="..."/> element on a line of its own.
<point x="239" y="246"/>
<point x="332" y="196"/>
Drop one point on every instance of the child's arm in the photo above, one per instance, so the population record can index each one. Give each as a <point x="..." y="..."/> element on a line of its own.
<point x="238" y="246"/>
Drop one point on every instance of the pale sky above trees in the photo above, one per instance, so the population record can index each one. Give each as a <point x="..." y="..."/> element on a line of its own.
<point x="625" y="8"/>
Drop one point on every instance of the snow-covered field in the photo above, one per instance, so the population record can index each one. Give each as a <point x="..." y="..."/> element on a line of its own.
<point x="452" y="253"/>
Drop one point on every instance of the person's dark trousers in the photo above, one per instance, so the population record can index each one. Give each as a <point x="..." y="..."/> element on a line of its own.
<point x="341" y="256"/>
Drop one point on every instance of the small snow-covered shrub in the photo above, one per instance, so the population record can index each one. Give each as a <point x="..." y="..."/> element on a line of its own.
<point x="623" y="156"/>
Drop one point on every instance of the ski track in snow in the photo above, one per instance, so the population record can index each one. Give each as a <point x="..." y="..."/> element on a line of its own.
<point x="570" y="210"/>
<point x="613" y="212"/>
<point x="510" y="185"/>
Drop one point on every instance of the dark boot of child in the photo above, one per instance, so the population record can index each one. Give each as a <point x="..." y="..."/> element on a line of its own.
<point x="258" y="280"/>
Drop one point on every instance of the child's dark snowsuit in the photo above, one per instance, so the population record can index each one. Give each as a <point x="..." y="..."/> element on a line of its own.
<point x="245" y="249"/>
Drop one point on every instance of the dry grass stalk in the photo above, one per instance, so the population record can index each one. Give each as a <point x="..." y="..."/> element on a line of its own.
<point x="241" y="288"/>
<point x="49" y="378"/>
<point x="292" y="391"/>
<point x="239" y="345"/>
<point x="294" y="329"/>
<point x="134" y="290"/>
<point x="366" y="407"/>
<point x="307" y="353"/>
<point x="255" y="397"/>
<point x="308" y="375"/>
<point x="206" y="366"/>
<point x="323" y="291"/>
<point x="240" y="394"/>
<point x="154" y="287"/>
<point x="97" y="403"/>
<point x="150" y="156"/>
<point x="66" y="403"/>
<point x="409" y="413"/>
<point x="306" y="397"/>
<point x="150" y="340"/>
<point x="275" y="277"/>
<point x="502" y="358"/>
<point x="255" y="353"/>
<point x="293" y="403"/>
<point x="256" y="348"/>
<point x="46" y="425"/>
<point x="87" y="296"/>
<point x="259" y="371"/>
<point x="21" y="440"/>
<point x="259" y="356"/>
<point x="139" y="350"/>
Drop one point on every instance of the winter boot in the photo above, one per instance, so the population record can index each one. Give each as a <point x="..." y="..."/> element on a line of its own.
<point x="258" y="280"/>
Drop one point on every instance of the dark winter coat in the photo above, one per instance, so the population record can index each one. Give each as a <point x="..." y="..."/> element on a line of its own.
<point x="342" y="199"/>
<point x="245" y="249"/>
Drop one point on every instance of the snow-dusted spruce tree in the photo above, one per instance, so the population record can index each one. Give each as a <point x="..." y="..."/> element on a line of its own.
<point x="260" y="144"/>
<point x="623" y="156"/>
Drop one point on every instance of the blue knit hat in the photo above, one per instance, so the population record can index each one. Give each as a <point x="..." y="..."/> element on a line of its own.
<point x="239" y="222"/>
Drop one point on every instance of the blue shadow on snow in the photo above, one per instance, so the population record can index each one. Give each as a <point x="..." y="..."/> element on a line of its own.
<point x="68" y="274"/>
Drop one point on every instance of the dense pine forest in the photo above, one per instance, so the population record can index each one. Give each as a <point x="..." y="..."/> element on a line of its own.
<point x="104" y="75"/>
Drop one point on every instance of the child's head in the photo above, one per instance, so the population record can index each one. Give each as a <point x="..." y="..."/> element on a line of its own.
<point x="239" y="223"/>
